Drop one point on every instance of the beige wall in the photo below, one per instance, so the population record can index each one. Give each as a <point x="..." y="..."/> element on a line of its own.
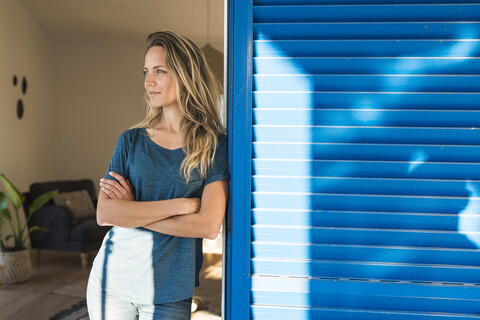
<point x="27" y="145"/>
<point x="99" y="95"/>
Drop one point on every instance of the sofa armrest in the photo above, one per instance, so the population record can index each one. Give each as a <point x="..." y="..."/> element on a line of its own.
<point x="57" y="219"/>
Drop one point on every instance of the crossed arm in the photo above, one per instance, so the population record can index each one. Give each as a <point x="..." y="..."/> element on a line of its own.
<point x="182" y="217"/>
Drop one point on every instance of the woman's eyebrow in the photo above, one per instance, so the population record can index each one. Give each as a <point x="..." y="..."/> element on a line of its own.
<point x="155" y="67"/>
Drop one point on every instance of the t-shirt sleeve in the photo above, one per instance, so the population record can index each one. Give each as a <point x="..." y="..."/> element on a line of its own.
<point x="219" y="170"/>
<point x="118" y="163"/>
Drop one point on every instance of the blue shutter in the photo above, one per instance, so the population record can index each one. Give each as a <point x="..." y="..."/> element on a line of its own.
<point x="362" y="186"/>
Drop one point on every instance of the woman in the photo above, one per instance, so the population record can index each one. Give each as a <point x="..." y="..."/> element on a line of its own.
<point x="166" y="189"/>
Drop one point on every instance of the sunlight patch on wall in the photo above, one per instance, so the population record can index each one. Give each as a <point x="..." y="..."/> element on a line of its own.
<point x="469" y="218"/>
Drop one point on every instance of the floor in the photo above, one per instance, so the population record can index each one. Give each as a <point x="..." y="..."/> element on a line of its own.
<point x="58" y="282"/>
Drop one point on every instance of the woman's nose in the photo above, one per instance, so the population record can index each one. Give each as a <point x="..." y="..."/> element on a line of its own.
<point x="149" y="80"/>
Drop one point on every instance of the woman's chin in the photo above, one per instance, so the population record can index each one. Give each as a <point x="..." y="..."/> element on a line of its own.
<point x="155" y="105"/>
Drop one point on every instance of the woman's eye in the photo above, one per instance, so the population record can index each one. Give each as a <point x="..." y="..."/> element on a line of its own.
<point x="160" y="71"/>
<point x="145" y="72"/>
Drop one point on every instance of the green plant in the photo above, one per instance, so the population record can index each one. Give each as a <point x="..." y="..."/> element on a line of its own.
<point x="19" y="233"/>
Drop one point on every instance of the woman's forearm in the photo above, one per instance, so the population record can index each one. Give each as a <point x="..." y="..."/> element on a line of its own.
<point x="204" y="224"/>
<point x="187" y="226"/>
<point x="131" y="214"/>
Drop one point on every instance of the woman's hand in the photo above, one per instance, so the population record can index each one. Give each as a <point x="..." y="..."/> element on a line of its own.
<point x="188" y="205"/>
<point x="117" y="190"/>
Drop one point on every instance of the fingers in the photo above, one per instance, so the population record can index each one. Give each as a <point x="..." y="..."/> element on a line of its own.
<point x="109" y="193"/>
<point x="111" y="188"/>
<point x="188" y="205"/>
<point x="196" y="204"/>
<point x="121" y="189"/>
<point x="122" y="181"/>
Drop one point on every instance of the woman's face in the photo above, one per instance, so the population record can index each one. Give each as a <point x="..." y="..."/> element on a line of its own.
<point x="159" y="82"/>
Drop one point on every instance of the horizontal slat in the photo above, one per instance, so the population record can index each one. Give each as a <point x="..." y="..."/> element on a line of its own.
<point x="374" y="13"/>
<point x="418" y="167"/>
<point x="371" y="83"/>
<point x="356" y="2"/>
<point x="358" y="151"/>
<point x="366" y="117"/>
<point x="352" y="202"/>
<point x="373" y="186"/>
<point x="386" y="289"/>
<point x="364" y="237"/>
<point x="363" y="302"/>
<point x="286" y="313"/>
<point x="365" y="270"/>
<point x="391" y="135"/>
<point x="366" y="48"/>
<point x="365" y="253"/>
<point x="378" y="220"/>
<point x="377" y="65"/>
<point x="385" y="30"/>
<point x="374" y="100"/>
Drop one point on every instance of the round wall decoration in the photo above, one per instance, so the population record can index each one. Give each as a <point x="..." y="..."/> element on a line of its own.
<point x="20" y="109"/>
<point x="24" y="85"/>
<point x="20" y="106"/>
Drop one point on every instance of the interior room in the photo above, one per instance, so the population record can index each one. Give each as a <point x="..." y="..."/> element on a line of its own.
<point x="71" y="83"/>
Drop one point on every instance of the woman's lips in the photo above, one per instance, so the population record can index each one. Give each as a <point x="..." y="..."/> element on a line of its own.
<point x="153" y="93"/>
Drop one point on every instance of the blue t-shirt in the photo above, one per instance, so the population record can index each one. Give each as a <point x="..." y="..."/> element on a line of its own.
<point x="144" y="266"/>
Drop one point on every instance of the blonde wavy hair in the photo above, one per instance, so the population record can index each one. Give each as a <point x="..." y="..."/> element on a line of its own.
<point x="198" y="98"/>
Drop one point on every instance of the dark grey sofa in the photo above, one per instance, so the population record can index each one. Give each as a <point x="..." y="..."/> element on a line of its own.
<point x="83" y="237"/>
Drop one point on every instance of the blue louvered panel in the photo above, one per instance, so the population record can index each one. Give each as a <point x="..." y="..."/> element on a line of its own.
<point x="367" y="13"/>
<point x="365" y="237"/>
<point x="379" y="65"/>
<point x="296" y="300"/>
<point x="359" y="151"/>
<point x="337" y="252"/>
<point x="354" y="202"/>
<point x="369" y="83"/>
<point x="284" y="313"/>
<point x="366" y="158"/>
<point x="367" y="48"/>
<point x="365" y="270"/>
<point x="361" y="219"/>
<point x="377" y="100"/>
<point x="363" y="134"/>
<point x="372" y="186"/>
<point x="292" y="298"/>
<point x="357" y="2"/>
<point x="417" y="168"/>
<point x="385" y="30"/>
<point x="369" y="288"/>
<point x="371" y="117"/>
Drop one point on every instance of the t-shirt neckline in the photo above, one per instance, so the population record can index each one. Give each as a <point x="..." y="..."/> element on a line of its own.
<point x="156" y="144"/>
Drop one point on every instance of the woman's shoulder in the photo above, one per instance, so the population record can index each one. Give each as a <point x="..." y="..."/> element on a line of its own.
<point x="130" y="135"/>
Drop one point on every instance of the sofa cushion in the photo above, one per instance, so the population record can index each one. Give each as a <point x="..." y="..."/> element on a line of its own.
<point x="39" y="188"/>
<point x="88" y="230"/>
<point x="78" y="202"/>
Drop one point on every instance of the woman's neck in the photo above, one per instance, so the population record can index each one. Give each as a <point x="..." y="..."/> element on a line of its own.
<point x="173" y="120"/>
